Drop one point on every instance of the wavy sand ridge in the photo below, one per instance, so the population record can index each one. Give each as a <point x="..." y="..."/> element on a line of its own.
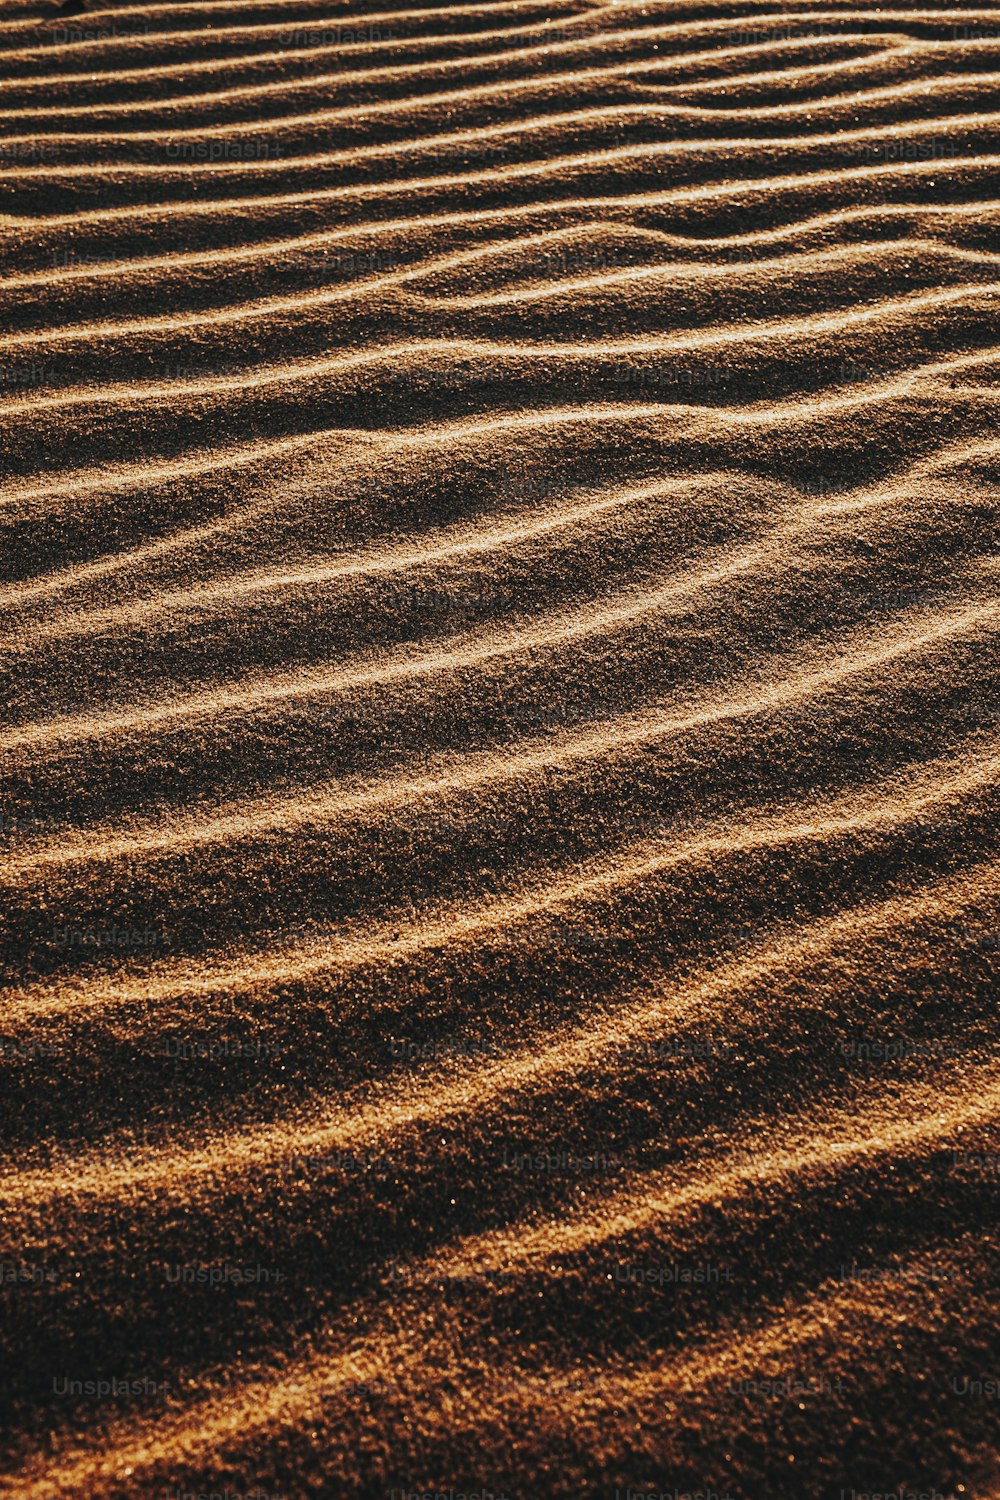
<point x="500" y="603"/>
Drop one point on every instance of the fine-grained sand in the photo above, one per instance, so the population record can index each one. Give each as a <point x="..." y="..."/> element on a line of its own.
<point x="499" y="750"/>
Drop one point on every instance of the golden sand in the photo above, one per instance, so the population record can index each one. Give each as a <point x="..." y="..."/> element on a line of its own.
<point x="499" y="747"/>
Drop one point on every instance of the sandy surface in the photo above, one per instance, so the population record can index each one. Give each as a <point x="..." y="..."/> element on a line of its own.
<point x="499" y="748"/>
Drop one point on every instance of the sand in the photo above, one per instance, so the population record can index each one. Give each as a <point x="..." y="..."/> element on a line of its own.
<point x="499" y="748"/>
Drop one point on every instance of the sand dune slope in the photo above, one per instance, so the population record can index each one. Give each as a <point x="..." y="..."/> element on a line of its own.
<point x="500" y="749"/>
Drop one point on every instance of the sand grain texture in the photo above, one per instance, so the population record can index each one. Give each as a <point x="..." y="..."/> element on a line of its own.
<point x="499" y="748"/>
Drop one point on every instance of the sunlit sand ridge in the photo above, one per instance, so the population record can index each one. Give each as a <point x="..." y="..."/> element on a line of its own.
<point x="500" y="734"/>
